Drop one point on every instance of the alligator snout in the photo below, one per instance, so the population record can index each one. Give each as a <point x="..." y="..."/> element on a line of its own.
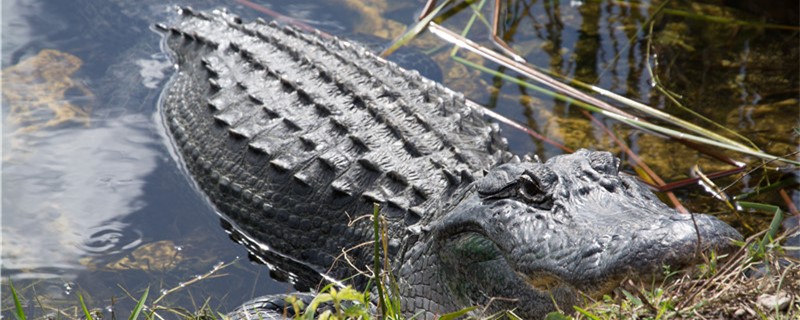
<point x="572" y="224"/>
<point x="634" y="249"/>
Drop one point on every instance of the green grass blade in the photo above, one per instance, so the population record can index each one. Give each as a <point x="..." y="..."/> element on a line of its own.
<point x="19" y="313"/>
<point x="556" y="316"/>
<point x="457" y="314"/>
<point x="84" y="308"/>
<point x="382" y="299"/>
<point x="586" y="313"/>
<point x="775" y="224"/>
<point x="783" y="183"/>
<point x="139" y="305"/>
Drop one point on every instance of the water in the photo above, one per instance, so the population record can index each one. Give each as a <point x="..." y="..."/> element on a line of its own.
<point x="95" y="203"/>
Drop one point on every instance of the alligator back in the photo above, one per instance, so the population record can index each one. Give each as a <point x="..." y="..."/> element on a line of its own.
<point x="292" y="136"/>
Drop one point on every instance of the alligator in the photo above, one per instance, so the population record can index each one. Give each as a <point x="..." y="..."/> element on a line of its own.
<point x="293" y="136"/>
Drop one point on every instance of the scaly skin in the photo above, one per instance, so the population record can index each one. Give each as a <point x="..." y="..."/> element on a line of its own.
<point x="292" y="136"/>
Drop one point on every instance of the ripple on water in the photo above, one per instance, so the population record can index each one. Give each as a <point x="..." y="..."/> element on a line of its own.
<point x="111" y="238"/>
<point x="63" y="198"/>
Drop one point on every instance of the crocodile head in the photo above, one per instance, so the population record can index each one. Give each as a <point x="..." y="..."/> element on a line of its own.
<point x="528" y="236"/>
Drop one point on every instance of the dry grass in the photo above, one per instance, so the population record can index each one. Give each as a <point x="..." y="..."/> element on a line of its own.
<point x="753" y="283"/>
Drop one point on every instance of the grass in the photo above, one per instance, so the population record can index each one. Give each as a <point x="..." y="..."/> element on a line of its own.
<point x="718" y="288"/>
<point x="710" y="291"/>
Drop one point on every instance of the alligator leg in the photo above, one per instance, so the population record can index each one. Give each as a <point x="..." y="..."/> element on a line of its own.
<point x="498" y="41"/>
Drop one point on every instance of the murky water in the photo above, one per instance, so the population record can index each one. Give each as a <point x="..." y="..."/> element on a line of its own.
<point x="94" y="203"/>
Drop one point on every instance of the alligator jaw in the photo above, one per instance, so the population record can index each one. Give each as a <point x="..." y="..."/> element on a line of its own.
<point x="602" y="265"/>
<point x="605" y="254"/>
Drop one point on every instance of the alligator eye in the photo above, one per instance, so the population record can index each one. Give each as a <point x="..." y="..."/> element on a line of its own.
<point x="530" y="189"/>
<point x="498" y="184"/>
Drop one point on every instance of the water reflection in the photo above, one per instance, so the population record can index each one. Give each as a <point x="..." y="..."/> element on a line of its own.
<point x="68" y="185"/>
<point x="93" y="202"/>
